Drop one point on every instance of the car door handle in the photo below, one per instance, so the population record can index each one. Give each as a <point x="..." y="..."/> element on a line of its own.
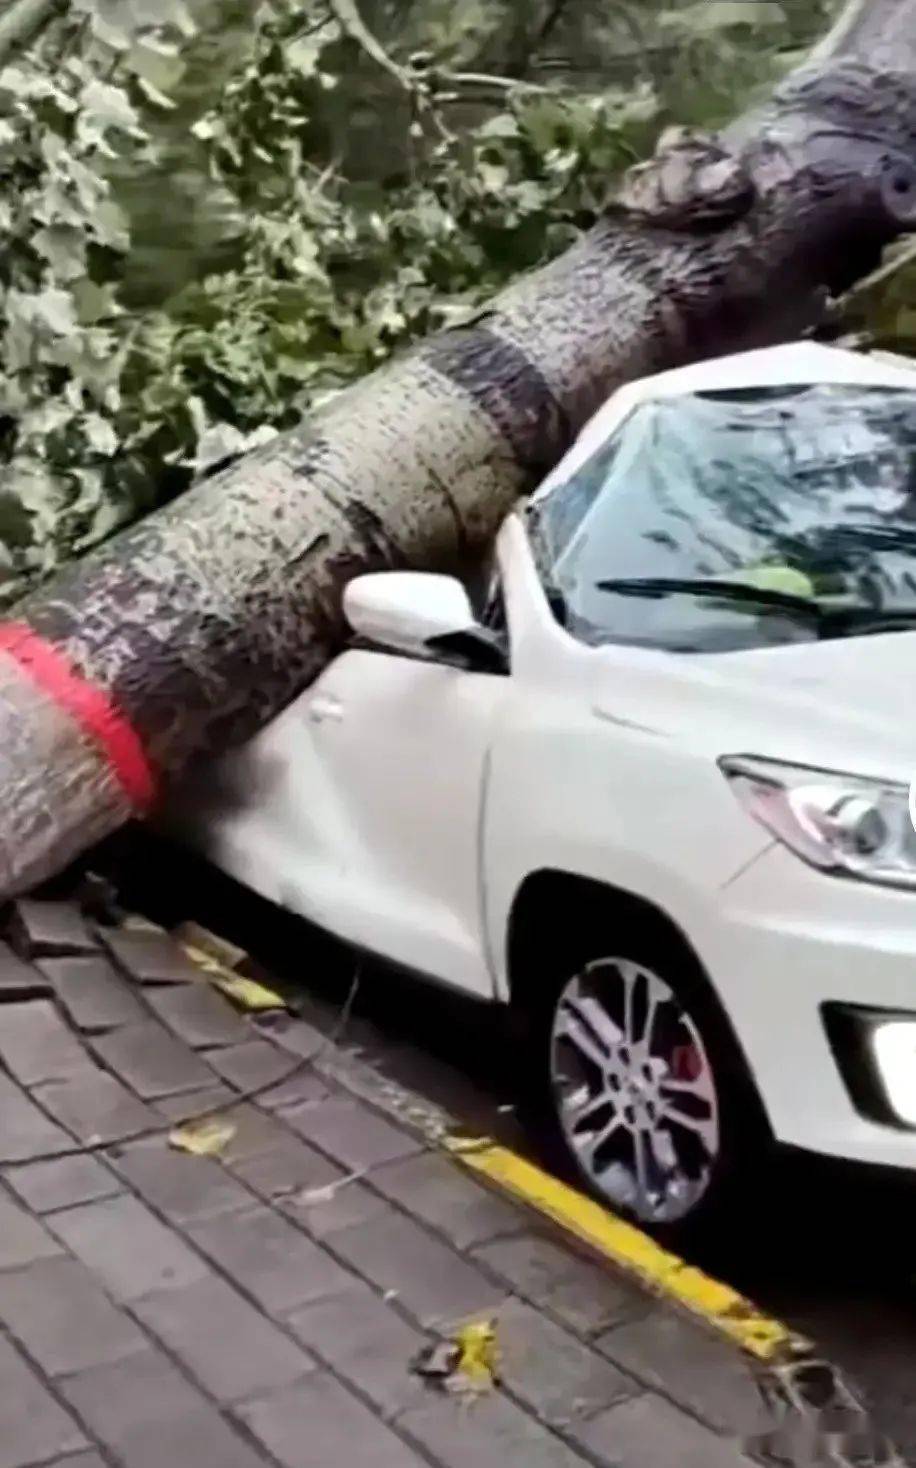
<point x="325" y="711"/>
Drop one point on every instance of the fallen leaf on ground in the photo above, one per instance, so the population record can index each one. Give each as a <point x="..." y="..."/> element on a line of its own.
<point x="311" y="1197"/>
<point x="134" y="923"/>
<point x="204" y="1138"/>
<point x="219" y="950"/>
<point x="246" y="993"/>
<point x="463" y="1145"/>
<point x="465" y="1365"/>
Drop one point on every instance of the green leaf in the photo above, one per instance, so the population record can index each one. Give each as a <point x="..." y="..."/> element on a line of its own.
<point x="49" y="310"/>
<point x="103" y="107"/>
<point x="157" y="65"/>
<point x="64" y="248"/>
<point x="99" y="435"/>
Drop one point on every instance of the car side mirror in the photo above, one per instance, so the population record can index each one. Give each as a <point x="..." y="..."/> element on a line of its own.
<point x="421" y="614"/>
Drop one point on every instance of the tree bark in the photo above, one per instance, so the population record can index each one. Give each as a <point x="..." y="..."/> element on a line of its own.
<point x="879" y="32"/>
<point x="193" y="629"/>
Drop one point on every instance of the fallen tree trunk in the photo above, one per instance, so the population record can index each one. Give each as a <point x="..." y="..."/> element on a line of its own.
<point x="191" y="630"/>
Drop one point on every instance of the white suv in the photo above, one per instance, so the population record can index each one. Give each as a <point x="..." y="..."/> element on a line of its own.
<point x="656" y="794"/>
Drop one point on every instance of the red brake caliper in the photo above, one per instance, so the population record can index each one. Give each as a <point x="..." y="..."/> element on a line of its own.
<point x="686" y="1063"/>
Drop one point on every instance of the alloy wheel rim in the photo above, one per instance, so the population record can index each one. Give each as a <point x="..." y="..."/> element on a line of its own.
<point x="634" y="1090"/>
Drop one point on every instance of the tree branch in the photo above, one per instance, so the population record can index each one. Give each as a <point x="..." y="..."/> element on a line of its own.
<point x="879" y="32"/>
<point x="550" y="22"/>
<point x="348" y="17"/>
<point x="21" y="23"/>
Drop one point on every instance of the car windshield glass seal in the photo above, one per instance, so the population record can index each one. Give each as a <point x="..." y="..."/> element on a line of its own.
<point x="805" y="496"/>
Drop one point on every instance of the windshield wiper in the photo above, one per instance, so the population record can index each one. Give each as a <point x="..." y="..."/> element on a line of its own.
<point x="835" y="619"/>
<point x="736" y="591"/>
<point x="861" y="619"/>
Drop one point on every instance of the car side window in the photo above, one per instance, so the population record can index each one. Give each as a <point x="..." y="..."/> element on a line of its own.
<point x="485" y="650"/>
<point x="493" y="615"/>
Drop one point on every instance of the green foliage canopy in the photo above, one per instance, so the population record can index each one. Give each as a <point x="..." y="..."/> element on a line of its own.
<point x="215" y="212"/>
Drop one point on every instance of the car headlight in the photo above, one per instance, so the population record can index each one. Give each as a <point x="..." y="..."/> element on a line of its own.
<point x="843" y="824"/>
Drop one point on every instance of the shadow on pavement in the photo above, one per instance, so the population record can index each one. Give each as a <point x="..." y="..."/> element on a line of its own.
<point x="825" y="1247"/>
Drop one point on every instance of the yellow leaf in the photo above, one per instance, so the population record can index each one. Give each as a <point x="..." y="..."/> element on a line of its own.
<point x="462" y="1145"/>
<point x="477" y="1353"/>
<point x="220" y="950"/>
<point x="246" y="993"/>
<point x="204" y="1138"/>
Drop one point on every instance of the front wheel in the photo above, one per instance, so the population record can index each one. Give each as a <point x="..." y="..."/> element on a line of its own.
<point x="646" y="1089"/>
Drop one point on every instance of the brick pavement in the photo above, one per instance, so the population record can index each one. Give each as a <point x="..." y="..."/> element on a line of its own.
<point x="264" y="1307"/>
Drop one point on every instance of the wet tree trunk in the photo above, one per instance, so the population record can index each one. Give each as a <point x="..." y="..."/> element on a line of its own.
<point x="193" y="629"/>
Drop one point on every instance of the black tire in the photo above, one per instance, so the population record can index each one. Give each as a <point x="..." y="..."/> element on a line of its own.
<point x="745" y="1140"/>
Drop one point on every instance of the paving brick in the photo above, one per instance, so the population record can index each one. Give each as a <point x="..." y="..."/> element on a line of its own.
<point x="302" y="1085"/>
<point x="130" y="1250"/>
<point x="583" y="1295"/>
<point x="95" y="1108"/>
<point x="22" y="1237"/>
<point x="493" y="1434"/>
<point x="146" y="1414"/>
<point x="25" y="1131"/>
<point x="20" y="980"/>
<point x="324" y="1216"/>
<point x="45" y="929"/>
<point x="62" y="1318"/>
<point x="255" y="1133"/>
<point x="551" y="1372"/>
<point x="290" y="1166"/>
<point x="270" y="1259"/>
<point x="433" y="1283"/>
<point x="198" y="1015"/>
<point x="151" y="1061"/>
<point x="253" y="1064"/>
<point x="650" y="1430"/>
<point x="33" y="1427"/>
<point x="93" y="994"/>
<point x="176" y="1109"/>
<point x="36" y="1045"/>
<point x="435" y="1190"/>
<point x="233" y="1350"/>
<point x="185" y="1188"/>
<point x="150" y="957"/>
<point x="318" y="1423"/>
<point x="351" y="1133"/>
<point x="368" y="1344"/>
<point x="294" y="1035"/>
<point x="47" y="1186"/>
<point x="700" y="1372"/>
<point x="364" y="1081"/>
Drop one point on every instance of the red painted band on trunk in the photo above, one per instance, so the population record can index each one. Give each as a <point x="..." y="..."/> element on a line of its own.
<point x="87" y="706"/>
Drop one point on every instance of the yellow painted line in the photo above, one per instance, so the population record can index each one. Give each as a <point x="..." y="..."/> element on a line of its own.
<point x="628" y="1247"/>
<point x="718" y="1304"/>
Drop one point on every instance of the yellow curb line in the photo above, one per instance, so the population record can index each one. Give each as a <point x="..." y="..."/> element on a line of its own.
<point x="628" y="1247"/>
<point x="718" y="1304"/>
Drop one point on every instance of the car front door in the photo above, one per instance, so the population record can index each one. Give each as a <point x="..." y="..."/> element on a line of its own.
<point x="399" y="747"/>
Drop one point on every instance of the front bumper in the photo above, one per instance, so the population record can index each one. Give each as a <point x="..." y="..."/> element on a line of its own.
<point x="784" y="943"/>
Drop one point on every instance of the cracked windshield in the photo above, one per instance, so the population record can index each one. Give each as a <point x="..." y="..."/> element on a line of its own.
<point x="720" y="520"/>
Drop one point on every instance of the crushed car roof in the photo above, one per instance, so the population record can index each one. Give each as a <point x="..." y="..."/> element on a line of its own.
<point x="793" y="365"/>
